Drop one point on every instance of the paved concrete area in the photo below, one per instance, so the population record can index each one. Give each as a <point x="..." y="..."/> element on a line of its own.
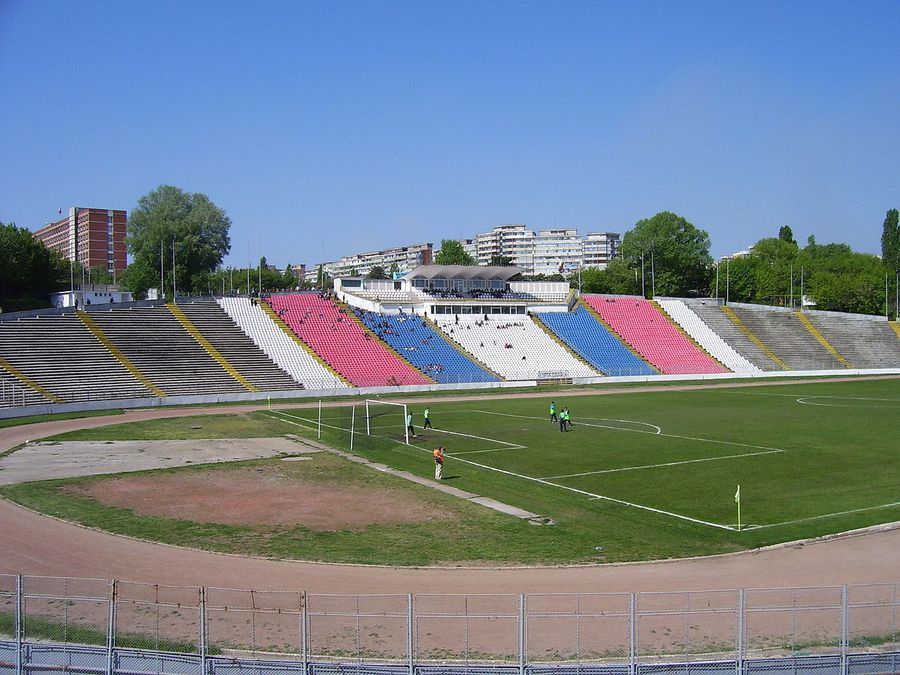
<point x="48" y="460"/>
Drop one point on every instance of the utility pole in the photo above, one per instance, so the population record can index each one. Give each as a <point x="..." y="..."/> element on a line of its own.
<point x="643" y="291"/>
<point x="174" y="294"/>
<point x="727" y="280"/>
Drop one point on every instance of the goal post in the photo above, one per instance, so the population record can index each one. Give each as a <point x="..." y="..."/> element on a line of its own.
<point x="393" y="415"/>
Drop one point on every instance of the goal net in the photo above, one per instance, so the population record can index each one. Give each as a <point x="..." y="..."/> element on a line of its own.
<point x="385" y="418"/>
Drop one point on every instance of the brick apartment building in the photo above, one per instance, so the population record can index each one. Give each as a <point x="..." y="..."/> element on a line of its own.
<point x="93" y="237"/>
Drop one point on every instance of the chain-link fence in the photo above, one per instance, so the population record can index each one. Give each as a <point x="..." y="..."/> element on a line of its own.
<point x="100" y="626"/>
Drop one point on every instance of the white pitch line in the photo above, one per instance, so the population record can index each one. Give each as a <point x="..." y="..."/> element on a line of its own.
<point x="651" y="433"/>
<point x="826" y="515"/>
<point x="546" y="482"/>
<point x="656" y="466"/>
<point x="585" y="424"/>
<point x="805" y="401"/>
<point x="594" y="496"/>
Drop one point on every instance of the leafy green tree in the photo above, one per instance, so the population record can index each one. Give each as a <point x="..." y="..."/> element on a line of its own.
<point x="678" y="250"/>
<point x="29" y="271"/>
<point x="786" y="234"/>
<point x="194" y="225"/>
<point x="453" y="253"/>
<point x="377" y="272"/>
<point x="501" y="261"/>
<point x="890" y="241"/>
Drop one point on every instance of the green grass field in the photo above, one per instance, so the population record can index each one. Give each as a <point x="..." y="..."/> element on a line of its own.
<point x="640" y="475"/>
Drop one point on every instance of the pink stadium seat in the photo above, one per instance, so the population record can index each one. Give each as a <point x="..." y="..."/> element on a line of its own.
<point x="342" y="343"/>
<point x="640" y="323"/>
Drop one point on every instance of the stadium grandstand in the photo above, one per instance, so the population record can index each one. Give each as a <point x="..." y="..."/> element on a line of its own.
<point x="439" y="325"/>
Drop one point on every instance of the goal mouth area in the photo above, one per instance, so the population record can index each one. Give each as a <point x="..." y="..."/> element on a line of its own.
<point x="384" y="417"/>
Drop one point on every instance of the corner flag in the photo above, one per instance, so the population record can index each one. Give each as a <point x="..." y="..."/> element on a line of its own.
<point x="737" y="499"/>
<point x="737" y="495"/>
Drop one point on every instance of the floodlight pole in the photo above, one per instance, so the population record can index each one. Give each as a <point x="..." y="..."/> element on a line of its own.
<point x="727" y="280"/>
<point x="717" y="280"/>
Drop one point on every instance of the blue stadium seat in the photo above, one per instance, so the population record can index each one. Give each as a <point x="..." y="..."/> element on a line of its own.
<point x="593" y="342"/>
<point x="415" y="340"/>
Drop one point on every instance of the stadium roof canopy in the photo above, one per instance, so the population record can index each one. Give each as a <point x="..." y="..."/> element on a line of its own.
<point x="464" y="272"/>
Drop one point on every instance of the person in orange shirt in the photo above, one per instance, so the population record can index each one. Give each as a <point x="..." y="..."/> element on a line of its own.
<point x="438" y="462"/>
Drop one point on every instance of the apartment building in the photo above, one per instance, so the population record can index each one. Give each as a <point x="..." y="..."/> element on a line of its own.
<point x="93" y="237"/>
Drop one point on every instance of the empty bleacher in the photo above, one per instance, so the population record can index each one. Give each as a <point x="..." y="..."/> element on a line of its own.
<point x="512" y="346"/>
<point x="706" y="337"/>
<point x="413" y="337"/>
<point x="342" y="343"/>
<point x="236" y="347"/>
<point x="14" y="393"/>
<point x="279" y="346"/>
<point x="157" y="344"/>
<point x="715" y="317"/>
<point x="649" y="331"/>
<point x="786" y="336"/>
<point x="864" y="343"/>
<point x="590" y="339"/>
<point x="61" y="355"/>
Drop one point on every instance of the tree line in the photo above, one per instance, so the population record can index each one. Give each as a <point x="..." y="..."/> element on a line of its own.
<point x="177" y="240"/>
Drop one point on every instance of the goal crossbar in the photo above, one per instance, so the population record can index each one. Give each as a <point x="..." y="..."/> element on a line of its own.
<point x="403" y="412"/>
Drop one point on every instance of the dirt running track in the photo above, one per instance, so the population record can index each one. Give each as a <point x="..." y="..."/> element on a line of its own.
<point x="40" y="545"/>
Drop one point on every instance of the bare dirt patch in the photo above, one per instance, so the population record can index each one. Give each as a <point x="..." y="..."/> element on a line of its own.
<point x="255" y="496"/>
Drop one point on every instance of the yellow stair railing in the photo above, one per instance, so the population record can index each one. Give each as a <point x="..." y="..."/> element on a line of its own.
<point x="821" y="338"/>
<point x="27" y="381"/>
<point x="736" y="320"/>
<point x="98" y="333"/>
<point x="179" y="314"/>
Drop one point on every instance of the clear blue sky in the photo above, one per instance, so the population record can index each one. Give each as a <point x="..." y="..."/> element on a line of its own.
<point x="363" y="125"/>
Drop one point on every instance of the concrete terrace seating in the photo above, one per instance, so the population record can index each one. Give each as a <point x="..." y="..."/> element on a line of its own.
<point x="236" y="347"/>
<point x="383" y="296"/>
<point x="487" y="341"/>
<point x="590" y="339"/>
<point x="864" y="343"/>
<point x="64" y="357"/>
<point x="788" y="338"/>
<point x="157" y="344"/>
<point x="706" y="337"/>
<point x="714" y="317"/>
<point x="14" y="393"/>
<point x="343" y="344"/>
<point x="414" y="338"/>
<point x="653" y="336"/>
<point x="279" y="346"/>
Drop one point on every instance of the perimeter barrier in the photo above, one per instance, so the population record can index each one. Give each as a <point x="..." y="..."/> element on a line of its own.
<point x="97" y="626"/>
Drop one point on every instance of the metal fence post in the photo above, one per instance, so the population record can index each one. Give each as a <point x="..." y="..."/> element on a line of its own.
<point x="522" y="633"/>
<point x="632" y="640"/>
<point x="409" y="634"/>
<point x="202" y="630"/>
<point x="740" y="633"/>
<point x="111" y="629"/>
<point x="20" y="624"/>
<point x="845" y="629"/>
<point x="304" y="630"/>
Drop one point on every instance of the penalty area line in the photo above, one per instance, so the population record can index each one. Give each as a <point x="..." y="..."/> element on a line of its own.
<point x="541" y="481"/>
<point x="657" y="466"/>
<point x="592" y="495"/>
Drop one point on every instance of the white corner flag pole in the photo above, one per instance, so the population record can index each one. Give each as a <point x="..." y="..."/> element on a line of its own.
<point x="319" y="432"/>
<point x="737" y="499"/>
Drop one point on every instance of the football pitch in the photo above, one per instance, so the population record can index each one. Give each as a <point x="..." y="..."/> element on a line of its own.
<point x="810" y="459"/>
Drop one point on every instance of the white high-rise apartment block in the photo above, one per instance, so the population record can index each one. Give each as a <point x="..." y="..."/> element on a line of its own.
<point x="600" y="248"/>
<point x="557" y="251"/>
<point x="508" y="241"/>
